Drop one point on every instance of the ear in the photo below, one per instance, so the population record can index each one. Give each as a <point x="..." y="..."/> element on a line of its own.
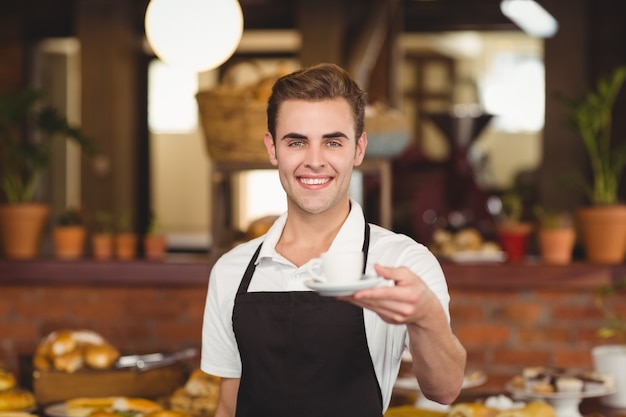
<point x="361" y="145"/>
<point x="271" y="148"/>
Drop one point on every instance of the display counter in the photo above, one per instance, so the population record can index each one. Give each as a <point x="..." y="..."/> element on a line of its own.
<point x="507" y="315"/>
<point x="191" y="270"/>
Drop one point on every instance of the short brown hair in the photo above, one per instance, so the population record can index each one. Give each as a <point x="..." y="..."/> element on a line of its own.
<point x="316" y="83"/>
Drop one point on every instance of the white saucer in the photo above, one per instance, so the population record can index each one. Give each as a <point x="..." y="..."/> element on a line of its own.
<point x="335" y="289"/>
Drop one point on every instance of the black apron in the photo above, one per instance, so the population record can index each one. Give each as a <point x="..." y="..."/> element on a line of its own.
<point x="303" y="354"/>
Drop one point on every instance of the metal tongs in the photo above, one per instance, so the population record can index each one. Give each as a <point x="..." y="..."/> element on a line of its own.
<point x="154" y="360"/>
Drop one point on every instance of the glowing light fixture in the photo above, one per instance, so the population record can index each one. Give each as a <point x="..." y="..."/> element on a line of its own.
<point x="194" y="34"/>
<point x="530" y="17"/>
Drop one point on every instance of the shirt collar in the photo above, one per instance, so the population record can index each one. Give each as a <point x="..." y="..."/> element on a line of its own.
<point x="350" y="236"/>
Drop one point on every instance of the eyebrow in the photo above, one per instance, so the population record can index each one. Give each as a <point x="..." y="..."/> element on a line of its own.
<point x="293" y="135"/>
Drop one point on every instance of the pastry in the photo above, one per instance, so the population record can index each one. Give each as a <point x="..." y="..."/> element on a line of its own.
<point x="84" y="406"/>
<point x="543" y="388"/>
<point x="101" y="356"/>
<point x="199" y="396"/>
<point x="7" y="380"/>
<point x="569" y="384"/>
<point x="16" y="399"/>
<point x="540" y="380"/>
<point x="532" y="409"/>
<point x="140" y="405"/>
<point x="69" y="362"/>
<point x="597" y="382"/>
<point x="472" y="410"/>
<point x="72" y="350"/>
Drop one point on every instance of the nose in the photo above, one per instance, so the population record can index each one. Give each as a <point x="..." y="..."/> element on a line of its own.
<point x="315" y="157"/>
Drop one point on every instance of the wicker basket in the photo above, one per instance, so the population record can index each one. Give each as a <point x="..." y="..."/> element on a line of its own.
<point x="234" y="123"/>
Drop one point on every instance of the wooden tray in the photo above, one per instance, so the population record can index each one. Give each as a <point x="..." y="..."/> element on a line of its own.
<point x="54" y="386"/>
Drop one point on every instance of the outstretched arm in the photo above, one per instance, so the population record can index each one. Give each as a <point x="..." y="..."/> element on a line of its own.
<point x="438" y="356"/>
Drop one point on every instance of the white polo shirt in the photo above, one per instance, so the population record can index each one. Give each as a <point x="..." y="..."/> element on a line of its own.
<point x="220" y="355"/>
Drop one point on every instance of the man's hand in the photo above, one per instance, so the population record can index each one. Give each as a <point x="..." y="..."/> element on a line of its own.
<point x="408" y="301"/>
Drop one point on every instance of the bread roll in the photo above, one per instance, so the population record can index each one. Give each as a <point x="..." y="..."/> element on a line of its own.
<point x="468" y="239"/>
<point x="16" y="399"/>
<point x="70" y="350"/>
<point x="69" y="362"/>
<point x="84" y="406"/>
<point x="101" y="356"/>
<point x="7" y="380"/>
<point x="41" y="363"/>
<point x="141" y="405"/>
<point x="63" y="343"/>
<point x="201" y="383"/>
<point x="199" y="396"/>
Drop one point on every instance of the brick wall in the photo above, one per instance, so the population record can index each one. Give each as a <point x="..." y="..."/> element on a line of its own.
<point x="504" y="331"/>
<point x="135" y="319"/>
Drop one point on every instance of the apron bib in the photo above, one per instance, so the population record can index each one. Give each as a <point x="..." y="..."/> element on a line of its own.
<point x="303" y="354"/>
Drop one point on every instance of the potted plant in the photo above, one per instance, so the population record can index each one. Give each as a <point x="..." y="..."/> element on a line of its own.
<point x="611" y="357"/>
<point x="154" y="243"/>
<point x="69" y="235"/>
<point x="125" y="240"/>
<point x="556" y="235"/>
<point x="603" y="223"/>
<point x="22" y="161"/>
<point x="513" y="233"/>
<point x="102" y="238"/>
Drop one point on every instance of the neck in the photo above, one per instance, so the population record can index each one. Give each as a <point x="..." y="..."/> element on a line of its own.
<point x="306" y="235"/>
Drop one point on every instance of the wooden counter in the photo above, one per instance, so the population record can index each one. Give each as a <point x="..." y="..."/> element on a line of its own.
<point x="192" y="270"/>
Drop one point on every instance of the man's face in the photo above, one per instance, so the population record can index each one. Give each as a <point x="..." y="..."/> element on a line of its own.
<point x="315" y="153"/>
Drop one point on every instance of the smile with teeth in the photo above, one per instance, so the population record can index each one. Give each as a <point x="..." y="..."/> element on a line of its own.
<point x="314" y="181"/>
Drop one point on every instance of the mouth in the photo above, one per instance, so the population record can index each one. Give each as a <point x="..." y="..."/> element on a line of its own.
<point x="314" y="181"/>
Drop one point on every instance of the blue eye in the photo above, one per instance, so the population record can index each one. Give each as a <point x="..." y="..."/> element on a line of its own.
<point x="296" y="143"/>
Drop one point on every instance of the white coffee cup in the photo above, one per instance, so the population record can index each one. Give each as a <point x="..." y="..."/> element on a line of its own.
<point x="337" y="267"/>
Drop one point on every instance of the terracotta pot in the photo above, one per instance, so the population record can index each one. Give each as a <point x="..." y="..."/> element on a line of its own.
<point x="556" y="245"/>
<point x="154" y="247"/>
<point x="125" y="246"/>
<point x="513" y="238"/>
<point x="21" y="227"/>
<point x="102" y="246"/>
<point x="69" y="241"/>
<point x="603" y="233"/>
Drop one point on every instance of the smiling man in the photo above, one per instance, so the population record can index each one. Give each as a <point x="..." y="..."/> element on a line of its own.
<point x="283" y="350"/>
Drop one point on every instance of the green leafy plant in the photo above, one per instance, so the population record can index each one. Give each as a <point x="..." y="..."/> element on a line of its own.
<point x="512" y="206"/>
<point x="104" y="221"/>
<point x="552" y="219"/>
<point x="23" y="160"/>
<point x="592" y="118"/>
<point x="125" y="222"/>
<point x="615" y="323"/>
<point x="154" y="227"/>
<point x="70" y="217"/>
